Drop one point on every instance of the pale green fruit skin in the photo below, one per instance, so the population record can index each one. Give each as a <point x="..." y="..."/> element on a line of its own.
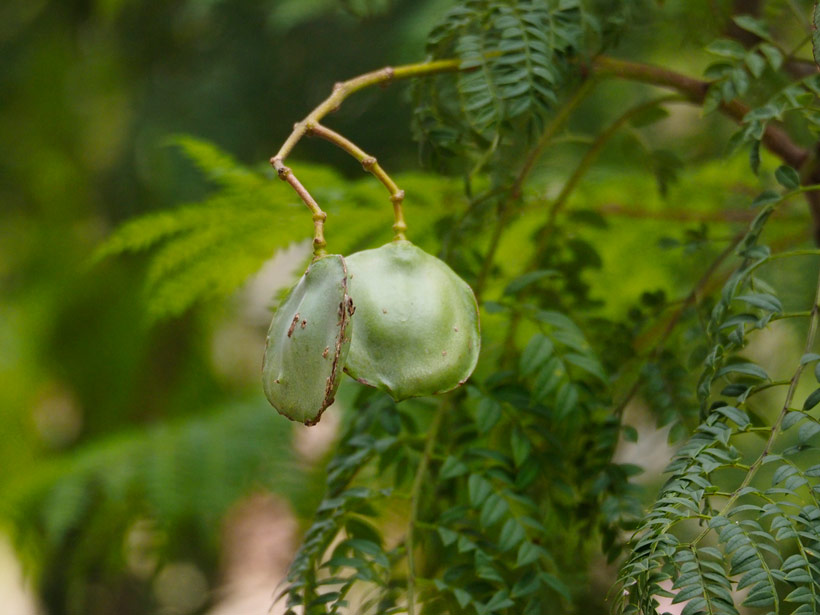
<point x="417" y="329"/>
<point x="308" y="342"/>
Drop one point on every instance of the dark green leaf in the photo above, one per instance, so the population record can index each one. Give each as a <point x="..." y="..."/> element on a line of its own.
<point x="448" y="537"/>
<point x="479" y="489"/>
<point x="538" y="350"/>
<point x="487" y="414"/>
<point x="556" y="584"/>
<point x="787" y="177"/>
<point x="745" y="369"/>
<point x="812" y="400"/>
<point x="452" y="467"/>
<point x="588" y="364"/>
<point x="753" y="25"/>
<point x="521" y="282"/>
<point x="520" y="445"/>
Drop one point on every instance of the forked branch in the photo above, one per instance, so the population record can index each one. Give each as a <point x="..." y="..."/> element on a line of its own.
<point x="311" y="124"/>
<point x="371" y="165"/>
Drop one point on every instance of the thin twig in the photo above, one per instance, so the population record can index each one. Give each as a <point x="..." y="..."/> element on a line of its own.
<point x="415" y="498"/>
<point x="341" y="91"/>
<point x="558" y="121"/>
<point x="586" y="163"/>
<point x="546" y="138"/>
<point x="692" y="298"/>
<point x="371" y="165"/>
<point x="319" y="216"/>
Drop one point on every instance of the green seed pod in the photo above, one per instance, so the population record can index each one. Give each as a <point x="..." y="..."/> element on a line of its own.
<point x="308" y="342"/>
<point x="417" y="330"/>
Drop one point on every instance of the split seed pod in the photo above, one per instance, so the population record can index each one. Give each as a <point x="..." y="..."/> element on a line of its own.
<point x="308" y="342"/>
<point x="417" y="330"/>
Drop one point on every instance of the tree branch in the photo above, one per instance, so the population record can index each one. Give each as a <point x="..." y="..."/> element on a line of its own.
<point x="775" y="138"/>
<point x="340" y="92"/>
<point x="371" y="165"/>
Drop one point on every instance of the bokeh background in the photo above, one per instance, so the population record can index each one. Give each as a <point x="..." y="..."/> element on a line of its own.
<point x="141" y="470"/>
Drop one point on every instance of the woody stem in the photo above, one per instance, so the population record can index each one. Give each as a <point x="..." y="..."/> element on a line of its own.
<point x="371" y="165"/>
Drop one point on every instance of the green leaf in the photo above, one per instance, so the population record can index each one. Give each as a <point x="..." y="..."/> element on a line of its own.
<point x="753" y="25"/>
<point x="765" y="198"/>
<point x="763" y="301"/>
<point x="452" y="467"/>
<point x="556" y="584"/>
<point x="806" y="431"/>
<point x="521" y="282"/>
<point x="479" y="489"/>
<point x="589" y="364"/>
<point x="499" y="601"/>
<point x="809" y="357"/>
<point x="526" y="585"/>
<point x="649" y="116"/>
<point x="812" y="400"/>
<point x="511" y="535"/>
<point x="726" y="48"/>
<point x="520" y="445"/>
<point x="527" y="554"/>
<point x="756" y="63"/>
<point x="745" y="369"/>
<point x="787" y="177"/>
<point x="448" y="537"/>
<point x="736" y="415"/>
<point x="462" y="597"/>
<point x="493" y="510"/>
<point x="487" y="414"/>
<point x="538" y="350"/>
<point x="567" y="400"/>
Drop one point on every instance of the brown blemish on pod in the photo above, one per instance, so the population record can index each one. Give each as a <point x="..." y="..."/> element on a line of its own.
<point x="304" y="323"/>
<point x="346" y="310"/>
<point x="293" y="324"/>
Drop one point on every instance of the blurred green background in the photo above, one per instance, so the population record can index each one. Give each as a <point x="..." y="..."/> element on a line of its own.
<point x="125" y="447"/>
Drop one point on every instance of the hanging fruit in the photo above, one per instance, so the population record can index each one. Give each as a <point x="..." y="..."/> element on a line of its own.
<point x="417" y="329"/>
<point x="308" y="342"/>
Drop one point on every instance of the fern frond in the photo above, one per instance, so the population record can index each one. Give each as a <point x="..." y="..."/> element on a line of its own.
<point x="206" y="250"/>
<point x="175" y="474"/>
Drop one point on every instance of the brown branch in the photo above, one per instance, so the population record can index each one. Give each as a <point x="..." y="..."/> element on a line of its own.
<point x="775" y="138"/>
<point x="340" y="92"/>
<point x="371" y="165"/>
<point x="319" y="216"/>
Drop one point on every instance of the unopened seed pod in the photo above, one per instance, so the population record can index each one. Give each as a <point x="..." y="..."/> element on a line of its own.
<point x="417" y="329"/>
<point x="308" y="342"/>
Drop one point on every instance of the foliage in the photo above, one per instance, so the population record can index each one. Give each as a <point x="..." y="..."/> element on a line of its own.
<point x="637" y="282"/>
<point x="208" y="249"/>
<point x="165" y="477"/>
